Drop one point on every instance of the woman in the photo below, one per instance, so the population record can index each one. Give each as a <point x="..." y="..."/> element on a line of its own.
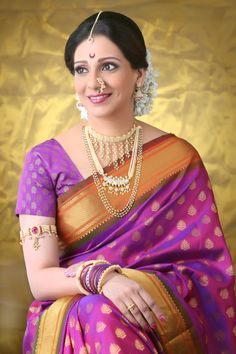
<point x="122" y="243"/>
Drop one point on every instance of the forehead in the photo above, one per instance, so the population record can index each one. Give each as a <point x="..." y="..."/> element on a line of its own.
<point x="101" y="46"/>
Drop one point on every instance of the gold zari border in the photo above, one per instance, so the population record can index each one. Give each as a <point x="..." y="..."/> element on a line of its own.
<point x="160" y="161"/>
<point x="176" y="334"/>
<point x="50" y="325"/>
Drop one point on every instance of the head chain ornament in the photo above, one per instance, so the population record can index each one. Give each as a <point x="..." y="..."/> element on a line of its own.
<point x="90" y="37"/>
<point x="142" y="105"/>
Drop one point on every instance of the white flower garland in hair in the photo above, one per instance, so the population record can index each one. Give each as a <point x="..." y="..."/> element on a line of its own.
<point x="141" y="106"/>
<point x="81" y="108"/>
<point x="149" y="90"/>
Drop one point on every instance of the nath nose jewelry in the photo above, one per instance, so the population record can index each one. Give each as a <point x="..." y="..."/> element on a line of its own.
<point x="102" y="85"/>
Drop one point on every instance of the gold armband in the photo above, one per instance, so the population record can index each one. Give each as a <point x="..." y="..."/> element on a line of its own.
<point x="36" y="232"/>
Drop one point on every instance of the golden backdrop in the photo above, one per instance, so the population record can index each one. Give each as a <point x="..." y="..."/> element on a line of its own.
<point x="193" y="46"/>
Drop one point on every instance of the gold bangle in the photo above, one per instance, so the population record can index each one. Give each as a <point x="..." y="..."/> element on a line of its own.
<point x="37" y="232"/>
<point x="114" y="267"/>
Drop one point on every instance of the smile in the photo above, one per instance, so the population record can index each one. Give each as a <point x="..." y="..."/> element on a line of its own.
<point x="99" y="98"/>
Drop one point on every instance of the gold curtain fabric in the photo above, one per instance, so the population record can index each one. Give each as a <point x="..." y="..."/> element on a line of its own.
<point x="193" y="47"/>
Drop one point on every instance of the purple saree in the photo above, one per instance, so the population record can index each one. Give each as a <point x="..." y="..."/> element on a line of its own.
<point x="171" y="242"/>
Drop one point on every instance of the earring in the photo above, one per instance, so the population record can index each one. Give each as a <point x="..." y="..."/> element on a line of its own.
<point x="81" y="108"/>
<point x="138" y="94"/>
<point x="140" y="101"/>
<point x="149" y="90"/>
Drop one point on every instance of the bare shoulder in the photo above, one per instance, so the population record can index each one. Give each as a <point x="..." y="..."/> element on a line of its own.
<point x="72" y="142"/>
<point x="150" y="132"/>
<point x="70" y="136"/>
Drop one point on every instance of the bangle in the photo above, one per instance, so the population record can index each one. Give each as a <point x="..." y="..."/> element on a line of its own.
<point x="114" y="267"/>
<point x="77" y="279"/>
<point x="81" y="274"/>
<point x="86" y="278"/>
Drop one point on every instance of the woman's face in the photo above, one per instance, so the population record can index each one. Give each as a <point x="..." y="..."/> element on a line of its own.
<point x="103" y="59"/>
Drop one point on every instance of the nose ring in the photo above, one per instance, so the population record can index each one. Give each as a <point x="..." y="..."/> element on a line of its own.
<point x="102" y="85"/>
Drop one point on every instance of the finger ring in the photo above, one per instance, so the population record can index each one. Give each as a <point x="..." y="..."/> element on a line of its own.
<point x="130" y="307"/>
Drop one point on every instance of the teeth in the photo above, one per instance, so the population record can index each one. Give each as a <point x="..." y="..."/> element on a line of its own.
<point x="98" y="98"/>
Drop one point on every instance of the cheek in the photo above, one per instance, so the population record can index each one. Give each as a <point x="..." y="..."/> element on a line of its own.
<point x="128" y="89"/>
<point x="78" y="85"/>
<point x="125" y="85"/>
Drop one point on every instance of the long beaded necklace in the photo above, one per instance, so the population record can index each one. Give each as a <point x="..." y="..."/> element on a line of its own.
<point x="117" y="185"/>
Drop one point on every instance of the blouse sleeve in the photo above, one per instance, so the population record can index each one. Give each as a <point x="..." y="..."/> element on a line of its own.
<point x="36" y="194"/>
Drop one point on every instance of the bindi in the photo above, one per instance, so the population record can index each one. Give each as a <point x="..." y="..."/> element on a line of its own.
<point x="91" y="55"/>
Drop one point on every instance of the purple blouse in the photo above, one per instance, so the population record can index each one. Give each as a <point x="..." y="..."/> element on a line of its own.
<point x="48" y="172"/>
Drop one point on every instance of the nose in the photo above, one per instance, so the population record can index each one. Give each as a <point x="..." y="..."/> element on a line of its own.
<point x="92" y="82"/>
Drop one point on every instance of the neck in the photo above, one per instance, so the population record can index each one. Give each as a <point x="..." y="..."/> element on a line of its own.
<point x="112" y="126"/>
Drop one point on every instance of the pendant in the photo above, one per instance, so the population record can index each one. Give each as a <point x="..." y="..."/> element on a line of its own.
<point x="116" y="185"/>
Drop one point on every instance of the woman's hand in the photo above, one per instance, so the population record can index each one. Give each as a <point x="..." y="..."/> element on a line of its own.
<point x="132" y="300"/>
<point x="70" y="272"/>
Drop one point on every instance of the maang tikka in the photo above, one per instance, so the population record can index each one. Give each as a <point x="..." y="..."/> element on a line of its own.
<point x="90" y="37"/>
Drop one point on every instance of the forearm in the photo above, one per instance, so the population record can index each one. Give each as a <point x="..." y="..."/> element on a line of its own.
<point x="51" y="284"/>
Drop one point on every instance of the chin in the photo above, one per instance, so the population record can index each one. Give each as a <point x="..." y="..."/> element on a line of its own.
<point x="102" y="113"/>
<point x="108" y="112"/>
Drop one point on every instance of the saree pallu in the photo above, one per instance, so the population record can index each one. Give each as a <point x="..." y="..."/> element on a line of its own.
<point x="171" y="243"/>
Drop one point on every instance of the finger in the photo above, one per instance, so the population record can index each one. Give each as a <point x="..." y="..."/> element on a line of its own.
<point x="69" y="272"/>
<point x="124" y="310"/>
<point x="145" y="310"/>
<point x="152" y="305"/>
<point x="136" y="313"/>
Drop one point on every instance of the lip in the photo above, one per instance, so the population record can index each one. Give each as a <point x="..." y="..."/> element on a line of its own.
<point x="99" y="98"/>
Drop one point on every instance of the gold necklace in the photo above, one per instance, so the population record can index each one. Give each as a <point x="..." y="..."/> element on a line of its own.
<point x="111" y="139"/>
<point x="114" y="184"/>
<point x="100" y="187"/>
<point x="112" y="149"/>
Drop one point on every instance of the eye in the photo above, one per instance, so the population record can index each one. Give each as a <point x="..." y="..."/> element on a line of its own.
<point x="109" y="67"/>
<point x="80" y="70"/>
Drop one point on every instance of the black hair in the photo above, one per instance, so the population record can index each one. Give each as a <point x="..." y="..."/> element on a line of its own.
<point x="119" y="28"/>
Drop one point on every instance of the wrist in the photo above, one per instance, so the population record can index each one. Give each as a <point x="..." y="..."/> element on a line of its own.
<point x="111" y="269"/>
<point x="110" y="276"/>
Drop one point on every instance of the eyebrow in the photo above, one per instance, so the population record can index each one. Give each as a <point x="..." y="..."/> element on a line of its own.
<point x="99" y="60"/>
